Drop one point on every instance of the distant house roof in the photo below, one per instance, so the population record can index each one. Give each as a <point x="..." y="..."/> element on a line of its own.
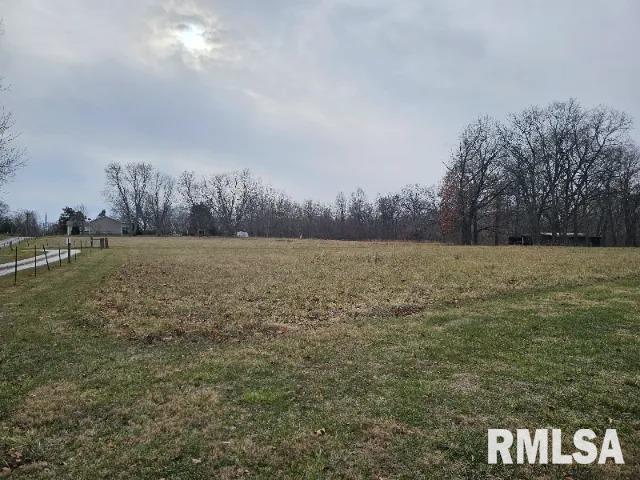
<point x="105" y="218"/>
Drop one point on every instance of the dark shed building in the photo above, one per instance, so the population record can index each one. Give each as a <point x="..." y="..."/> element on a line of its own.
<point x="547" y="238"/>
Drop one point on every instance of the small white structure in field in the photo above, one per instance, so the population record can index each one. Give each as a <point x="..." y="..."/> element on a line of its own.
<point x="242" y="234"/>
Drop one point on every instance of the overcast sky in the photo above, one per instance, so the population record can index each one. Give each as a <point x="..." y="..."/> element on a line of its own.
<point x="313" y="96"/>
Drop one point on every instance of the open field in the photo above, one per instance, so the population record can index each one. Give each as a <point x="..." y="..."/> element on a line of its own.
<point x="229" y="358"/>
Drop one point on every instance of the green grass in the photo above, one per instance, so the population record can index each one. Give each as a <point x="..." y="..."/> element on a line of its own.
<point x="185" y="358"/>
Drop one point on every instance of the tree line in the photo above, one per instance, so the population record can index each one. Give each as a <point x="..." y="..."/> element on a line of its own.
<point x="560" y="169"/>
<point x="225" y="203"/>
<point x="22" y="222"/>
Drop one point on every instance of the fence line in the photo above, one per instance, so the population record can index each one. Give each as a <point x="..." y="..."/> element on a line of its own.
<point x="41" y="260"/>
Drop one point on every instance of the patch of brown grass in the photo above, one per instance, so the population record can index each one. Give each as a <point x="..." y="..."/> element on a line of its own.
<point x="49" y="403"/>
<point x="168" y="415"/>
<point x="466" y="383"/>
<point x="232" y="288"/>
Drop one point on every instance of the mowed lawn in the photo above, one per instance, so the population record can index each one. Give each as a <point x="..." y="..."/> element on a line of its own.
<point x="233" y="358"/>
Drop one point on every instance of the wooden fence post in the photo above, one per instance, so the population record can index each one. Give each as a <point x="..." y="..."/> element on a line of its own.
<point x="35" y="262"/>
<point x="68" y="252"/>
<point x="15" y="269"/>
<point x="60" y="256"/>
<point x="46" y="258"/>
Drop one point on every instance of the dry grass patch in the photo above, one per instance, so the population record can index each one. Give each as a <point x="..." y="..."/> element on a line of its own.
<point x="232" y="288"/>
<point x="168" y="415"/>
<point x="50" y="403"/>
<point x="465" y="383"/>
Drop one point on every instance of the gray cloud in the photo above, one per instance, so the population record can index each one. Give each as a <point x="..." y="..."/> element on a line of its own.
<point x="316" y="97"/>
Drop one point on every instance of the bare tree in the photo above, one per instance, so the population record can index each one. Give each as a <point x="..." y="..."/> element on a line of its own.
<point x="474" y="169"/>
<point x="388" y="211"/>
<point x="230" y="195"/>
<point x="12" y="156"/>
<point x="190" y="188"/>
<point x="117" y="192"/>
<point x="200" y="216"/>
<point x="597" y="135"/>
<point x="558" y="158"/>
<point x="127" y="190"/>
<point x="139" y="177"/>
<point x="159" y="201"/>
<point x="340" y="214"/>
<point x="26" y="223"/>
<point x="629" y="191"/>
<point x="619" y="201"/>
<point x="360" y="215"/>
<point x="418" y="210"/>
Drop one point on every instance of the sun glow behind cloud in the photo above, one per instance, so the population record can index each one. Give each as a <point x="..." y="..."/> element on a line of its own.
<point x="193" y="38"/>
<point x="184" y="32"/>
<point x="318" y="96"/>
